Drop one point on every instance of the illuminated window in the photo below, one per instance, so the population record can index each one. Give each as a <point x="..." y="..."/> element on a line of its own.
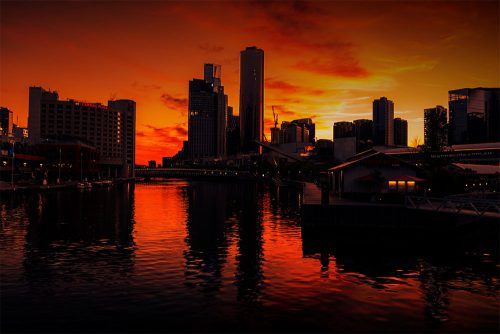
<point x="392" y="185"/>
<point x="410" y="186"/>
<point x="401" y="186"/>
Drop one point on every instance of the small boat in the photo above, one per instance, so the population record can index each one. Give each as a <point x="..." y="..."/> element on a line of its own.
<point x="80" y="185"/>
<point x="87" y="185"/>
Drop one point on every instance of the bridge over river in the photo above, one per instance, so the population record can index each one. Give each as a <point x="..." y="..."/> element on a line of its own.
<point x="191" y="172"/>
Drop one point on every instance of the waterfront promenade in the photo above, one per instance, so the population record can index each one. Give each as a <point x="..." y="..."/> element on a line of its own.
<point x="415" y="212"/>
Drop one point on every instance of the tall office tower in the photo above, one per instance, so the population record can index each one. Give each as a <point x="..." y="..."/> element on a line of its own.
<point x="383" y="122"/>
<point x="110" y="129"/>
<point x="290" y="133"/>
<point x="474" y="115"/>
<point x="363" y="129"/>
<point x="400" y="132"/>
<point x="233" y="132"/>
<point x="6" y="121"/>
<point x="435" y="128"/>
<point x="126" y="128"/>
<point x="251" y="98"/>
<point x="207" y="117"/>
<point x="343" y="130"/>
<point x="308" y="129"/>
<point x="212" y="74"/>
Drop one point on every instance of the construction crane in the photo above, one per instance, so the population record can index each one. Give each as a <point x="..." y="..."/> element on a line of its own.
<point x="275" y="117"/>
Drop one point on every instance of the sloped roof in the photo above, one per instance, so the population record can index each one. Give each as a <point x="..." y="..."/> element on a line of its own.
<point x="369" y="155"/>
<point x="373" y="177"/>
<point x="480" y="169"/>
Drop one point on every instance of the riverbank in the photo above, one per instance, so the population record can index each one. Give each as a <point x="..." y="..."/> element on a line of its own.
<point x="350" y="214"/>
<point x="7" y="188"/>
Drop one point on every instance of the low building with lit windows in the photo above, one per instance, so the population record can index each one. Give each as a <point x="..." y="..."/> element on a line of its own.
<point x="374" y="173"/>
<point x="109" y="128"/>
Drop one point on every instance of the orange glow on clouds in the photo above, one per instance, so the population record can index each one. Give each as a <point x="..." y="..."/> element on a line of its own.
<point x="324" y="60"/>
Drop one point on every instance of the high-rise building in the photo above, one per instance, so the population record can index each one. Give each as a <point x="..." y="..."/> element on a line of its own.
<point x="474" y="115"/>
<point x="435" y="127"/>
<point x="344" y="140"/>
<point x="290" y="133"/>
<point x="126" y="109"/>
<point x="363" y="129"/>
<point x="308" y="129"/>
<point x="383" y="122"/>
<point x="251" y="98"/>
<point x="207" y="117"/>
<point x="110" y="129"/>
<point x="400" y="132"/>
<point x="343" y="130"/>
<point x="212" y="74"/>
<point x="6" y="121"/>
<point x="233" y="132"/>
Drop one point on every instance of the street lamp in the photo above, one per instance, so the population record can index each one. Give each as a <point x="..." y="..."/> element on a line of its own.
<point x="13" y="162"/>
<point x="59" y="178"/>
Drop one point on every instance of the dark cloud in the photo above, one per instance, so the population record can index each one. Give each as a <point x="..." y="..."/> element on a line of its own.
<point x="283" y="110"/>
<point x="170" y="133"/>
<point x="286" y="87"/>
<point x="175" y="103"/>
<point x="210" y="48"/>
<point x="281" y="86"/>
<point x="349" y="69"/>
<point x="145" y="87"/>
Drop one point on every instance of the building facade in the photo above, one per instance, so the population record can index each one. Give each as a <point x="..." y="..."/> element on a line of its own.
<point x="207" y="115"/>
<point x="435" y="128"/>
<point x="233" y="132"/>
<point x="343" y="130"/>
<point x="363" y="129"/>
<point x="111" y="128"/>
<point x="251" y="98"/>
<point x="400" y="132"/>
<point x="6" y="121"/>
<point x="474" y="115"/>
<point x="383" y="122"/>
<point x="308" y="129"/>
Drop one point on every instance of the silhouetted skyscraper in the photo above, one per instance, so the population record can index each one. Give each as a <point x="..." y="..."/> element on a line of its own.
<point x="383" y="122"/>
<point x="400" y="132"/>
<point x="363" y="129"/>
<point x="435" y="128"/>
<point x="308" y="129"/>
<point x="207" y="115"/>
<point x="251" y="98"/>
<point x="474" y="115"/>
<point x="233" y="132"/>
<point x="212" y="74"/>
<point x="6" y="121"/>
<point x="343" y="130"/>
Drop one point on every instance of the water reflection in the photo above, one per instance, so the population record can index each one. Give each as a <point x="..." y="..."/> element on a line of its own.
<point x="249" y="275"/>
<point x="75" y="244"/>
<point x="203" y="256"/>
<point x="440" y="269"/>
<point x="206" y="235"/>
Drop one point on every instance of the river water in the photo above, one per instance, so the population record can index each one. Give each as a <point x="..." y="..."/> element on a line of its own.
<point x="194" y="256"/>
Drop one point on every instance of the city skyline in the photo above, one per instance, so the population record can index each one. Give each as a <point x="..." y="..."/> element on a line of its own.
<point x="323" y="60"/>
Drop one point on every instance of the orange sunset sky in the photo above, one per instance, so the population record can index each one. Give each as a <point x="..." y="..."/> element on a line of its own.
<point x="326" y="60"/>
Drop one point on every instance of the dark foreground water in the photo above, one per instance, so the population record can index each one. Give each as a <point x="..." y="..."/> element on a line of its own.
<point x="198" y="256"/>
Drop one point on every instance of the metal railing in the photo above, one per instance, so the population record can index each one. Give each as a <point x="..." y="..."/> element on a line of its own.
<point x="478" y="207"/>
